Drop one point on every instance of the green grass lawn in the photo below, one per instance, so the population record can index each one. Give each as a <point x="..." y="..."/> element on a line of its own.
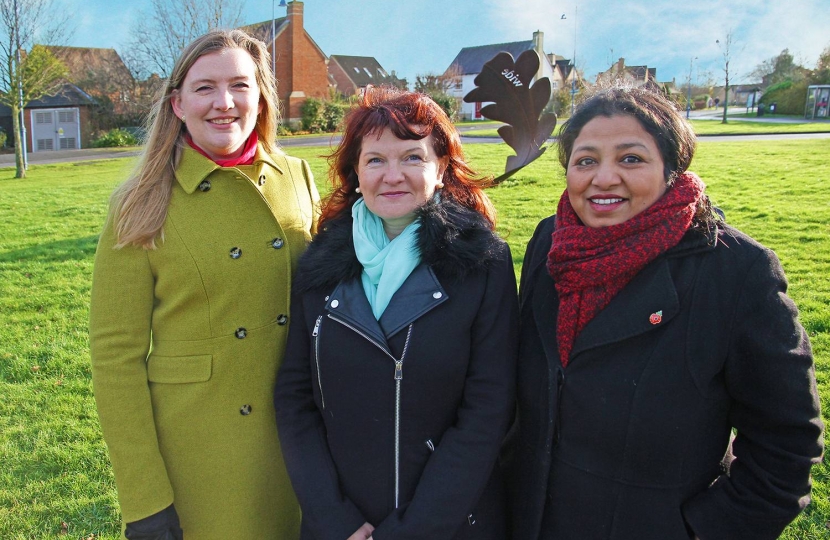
<point x="55" y="480"/>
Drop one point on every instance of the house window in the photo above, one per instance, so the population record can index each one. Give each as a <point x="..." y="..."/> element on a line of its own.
<point x="66" y="117"/>
<point x="43" y="118"/>
<point x="369" y="73"/>
<point x="382" y="73"/>
<point x="357" y="70"/>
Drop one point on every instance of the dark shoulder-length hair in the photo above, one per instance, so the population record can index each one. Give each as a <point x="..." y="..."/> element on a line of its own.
<point x="410" y="116"/>
<point x="673" y="135"/>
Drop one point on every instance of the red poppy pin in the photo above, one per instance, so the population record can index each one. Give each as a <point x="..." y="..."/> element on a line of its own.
<point x="655" y="318"/>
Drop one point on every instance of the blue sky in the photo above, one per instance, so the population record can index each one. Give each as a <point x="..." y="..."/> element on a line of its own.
<point x="420" y="36"/>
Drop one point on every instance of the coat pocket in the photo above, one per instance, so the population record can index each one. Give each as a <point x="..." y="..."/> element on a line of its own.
<point x="179" y="369"/>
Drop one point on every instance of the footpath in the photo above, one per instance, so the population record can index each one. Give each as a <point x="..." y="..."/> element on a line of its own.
<point x="87" y="154"/>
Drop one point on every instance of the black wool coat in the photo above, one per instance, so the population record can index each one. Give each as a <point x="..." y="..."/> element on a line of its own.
<point x="630" y="440"/>
<point x="399" y="422"/>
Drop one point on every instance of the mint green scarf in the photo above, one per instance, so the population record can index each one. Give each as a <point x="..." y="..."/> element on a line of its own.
<point x="386" y="263"/>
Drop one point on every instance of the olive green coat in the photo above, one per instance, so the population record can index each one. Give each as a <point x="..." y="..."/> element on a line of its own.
<point x="186" y="340"/>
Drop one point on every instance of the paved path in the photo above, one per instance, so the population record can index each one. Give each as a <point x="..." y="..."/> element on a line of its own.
<point x="63" y="156"/>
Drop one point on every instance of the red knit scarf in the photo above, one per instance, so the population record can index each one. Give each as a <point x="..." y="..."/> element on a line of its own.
<point x="245" y="158"/>
<point x="591" y="265"/>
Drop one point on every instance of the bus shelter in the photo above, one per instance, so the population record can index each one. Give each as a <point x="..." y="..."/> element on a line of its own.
<point x="818" y="100"/>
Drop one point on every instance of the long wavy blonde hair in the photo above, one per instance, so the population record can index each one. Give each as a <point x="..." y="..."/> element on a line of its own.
<point x="139" y="205"/>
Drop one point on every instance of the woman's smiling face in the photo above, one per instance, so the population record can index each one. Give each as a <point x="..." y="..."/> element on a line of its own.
<point x="219" y="99"/>
<point x="397" y="176"/>
<point x="615" y="171"/>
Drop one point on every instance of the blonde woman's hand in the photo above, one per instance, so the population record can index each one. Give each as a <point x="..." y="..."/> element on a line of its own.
<point x="363" y="533"/>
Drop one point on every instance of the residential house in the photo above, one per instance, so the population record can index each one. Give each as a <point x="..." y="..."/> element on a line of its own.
<point x="56" y="122"/>
<point x="629" y="75"/>
<point x="470" y="61"/>
<point x="301" y="66"/>
<point x="101" y="73"/>
<point x="351" y="74"/>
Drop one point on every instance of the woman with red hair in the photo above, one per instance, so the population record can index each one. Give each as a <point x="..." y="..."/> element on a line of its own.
<point x="398" y="382"/>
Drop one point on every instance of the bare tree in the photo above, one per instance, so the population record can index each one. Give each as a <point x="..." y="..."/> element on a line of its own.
<point x="27" y="77"/>
<point x="726" y="50"/>
<point x="160" y="35"/>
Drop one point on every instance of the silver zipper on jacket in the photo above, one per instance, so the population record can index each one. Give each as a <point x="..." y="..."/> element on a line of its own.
<point x="397" y="378"/>
<point x="316" y="335"/>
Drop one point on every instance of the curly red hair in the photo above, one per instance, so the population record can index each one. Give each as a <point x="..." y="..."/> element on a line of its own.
<point x="410" y="116"/>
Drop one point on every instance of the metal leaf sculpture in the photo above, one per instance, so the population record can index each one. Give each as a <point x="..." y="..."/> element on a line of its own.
<point x="517" y="103"/>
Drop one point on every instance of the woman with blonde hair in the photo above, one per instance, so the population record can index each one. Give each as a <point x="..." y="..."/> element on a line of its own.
<point x="190" y="294"/>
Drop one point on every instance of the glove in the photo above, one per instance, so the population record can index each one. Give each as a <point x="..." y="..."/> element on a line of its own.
<point x="162" y="525"/>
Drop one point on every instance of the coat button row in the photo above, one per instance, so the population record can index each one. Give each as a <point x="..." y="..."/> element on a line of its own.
<point x="204" y="185"/>
<point x="241" y="333"/>
<point x="277" y="243"/>
<point x="235" y="253"/>
<point x="261" y="180"/>
<point x="245" y="410"/>
<point x="282" y="318"/>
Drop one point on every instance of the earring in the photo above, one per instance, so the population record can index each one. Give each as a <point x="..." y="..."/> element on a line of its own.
<point x="357" y="190"/>
<point x="439" y="185"/>
<point x="182" y="119"/>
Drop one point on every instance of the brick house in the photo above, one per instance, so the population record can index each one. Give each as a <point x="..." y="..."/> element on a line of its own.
<point x="301" y="66"/>
<point x="469" y="62"/>
<point x="101" y="73"/>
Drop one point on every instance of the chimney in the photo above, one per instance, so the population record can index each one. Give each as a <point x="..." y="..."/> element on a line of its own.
<point x="295" y="19"/>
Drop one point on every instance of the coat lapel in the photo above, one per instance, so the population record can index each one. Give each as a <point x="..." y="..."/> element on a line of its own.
<point x="545" y="304"/>
<point x="648" y="301"/>
<point x="348" y="303"/>
<point x="420" y="293"/>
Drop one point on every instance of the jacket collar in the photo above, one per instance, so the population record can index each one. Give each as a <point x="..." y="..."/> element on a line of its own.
<point x="419" y="294"/>
<point x="193" y="167"/>
<point x="453" y="241"/>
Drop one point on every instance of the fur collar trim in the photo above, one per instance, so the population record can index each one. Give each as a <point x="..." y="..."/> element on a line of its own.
<point x="454" y="240"/>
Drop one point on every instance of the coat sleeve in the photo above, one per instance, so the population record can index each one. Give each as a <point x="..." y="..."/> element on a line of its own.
<point x="458" y="471"/>
<point x="313" y="194"/>
<point x="775" y="411"/>
<point x="119" y="335"/>
<point x="327" y="512"/>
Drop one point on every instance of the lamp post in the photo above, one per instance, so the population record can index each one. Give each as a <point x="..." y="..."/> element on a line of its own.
<point x="689" y="99"/>
<point x="573" y="61"/>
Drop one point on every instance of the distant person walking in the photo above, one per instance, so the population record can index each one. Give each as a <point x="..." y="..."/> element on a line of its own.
<point x="189" y="312"/>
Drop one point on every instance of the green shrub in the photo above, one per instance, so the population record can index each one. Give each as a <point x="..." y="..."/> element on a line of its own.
<point x="789" y="97"/>
<point x="322" y="115"/>
<point x="311" y="115"/>
<point x="115" y="138"/>
<point x="3" y="138"/>
<point x="446" y="102"/>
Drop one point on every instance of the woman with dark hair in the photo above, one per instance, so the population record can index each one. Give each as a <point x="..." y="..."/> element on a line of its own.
<point x="398" y="382"/>
<point x="190" y="299"/>
<point x="650" y="330"/>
